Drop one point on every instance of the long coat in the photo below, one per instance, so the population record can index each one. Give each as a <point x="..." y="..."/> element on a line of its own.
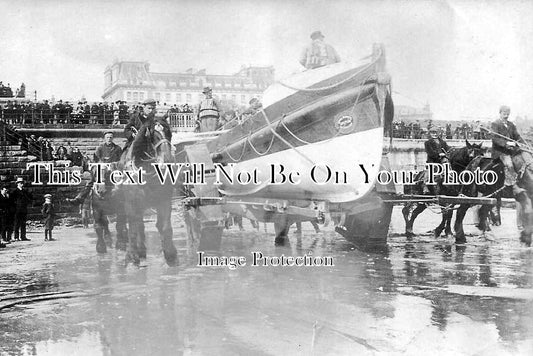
<point x="48" y="214"/>
<point x="21" y="199"/>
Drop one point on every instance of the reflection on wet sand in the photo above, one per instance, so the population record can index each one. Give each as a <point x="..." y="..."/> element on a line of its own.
<point x="412" y="298"/>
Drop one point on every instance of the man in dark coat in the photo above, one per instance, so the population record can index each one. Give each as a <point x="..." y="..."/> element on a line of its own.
<point x="137" y="119"/>
<point x="436" y="147"/>
<point x="21" y="199"/>
<point x="6" y="215"/>
<point x="108" y="151"/>
<point x="504" y="144"/>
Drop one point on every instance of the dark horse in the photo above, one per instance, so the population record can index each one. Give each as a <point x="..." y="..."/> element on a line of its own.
<point x="458" y="160"/>
<point x="151" y="145"/>
<point x="522" y="162"/>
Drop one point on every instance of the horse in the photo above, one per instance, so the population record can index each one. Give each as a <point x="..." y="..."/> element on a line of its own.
<point x="522" y="161"/>
<point x="152" y="144"/>
<point x="104" y="201"/>
<point x="458" y="160"/>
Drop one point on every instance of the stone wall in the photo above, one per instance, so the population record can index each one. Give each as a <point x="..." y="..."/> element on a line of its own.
<point x="87" y="140"/>
<point x="404" y="154"/>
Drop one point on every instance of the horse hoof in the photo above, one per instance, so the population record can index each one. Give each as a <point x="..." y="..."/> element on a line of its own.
<point x="460" y="240"/>
<point x="279" y="241"/>
<point x="132" y="258"/>
<point x="525" y="238"/>
<point x="108" y="241"/>
<point x="171" y="258"/>
<point x="101" y="247"/>
<point x="409" y="234"/>
<point x="121" y="246"/>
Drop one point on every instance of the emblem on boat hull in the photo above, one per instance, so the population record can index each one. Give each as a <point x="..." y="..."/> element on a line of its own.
<point x="344" y="124"/>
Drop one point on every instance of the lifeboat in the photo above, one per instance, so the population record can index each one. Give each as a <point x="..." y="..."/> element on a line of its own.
<point x="324" y="126"/>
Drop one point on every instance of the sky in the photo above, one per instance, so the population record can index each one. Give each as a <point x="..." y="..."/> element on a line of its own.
<point x="464" y="58"/>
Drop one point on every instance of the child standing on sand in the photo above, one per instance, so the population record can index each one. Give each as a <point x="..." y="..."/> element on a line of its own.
<point x="48" y="215"/>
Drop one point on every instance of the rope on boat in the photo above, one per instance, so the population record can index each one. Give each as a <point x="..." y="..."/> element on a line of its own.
<point x="242" y="153"/>
<point x="274" y="133"/>
<point x="338" y="132"/>
<point x="255" y="150"/>
<point x="287" y="142"/>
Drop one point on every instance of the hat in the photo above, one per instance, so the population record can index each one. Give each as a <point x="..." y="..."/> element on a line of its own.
<point x="317" y="34"/>
<point x="207" y="90"/>
<point x="19" y="180"/>
<point x="109" y="132"/>
<point x="47" y="196"/>
<point x="149" y="102"/>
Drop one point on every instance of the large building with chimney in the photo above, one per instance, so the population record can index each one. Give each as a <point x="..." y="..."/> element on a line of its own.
<point x="133" y="82"/>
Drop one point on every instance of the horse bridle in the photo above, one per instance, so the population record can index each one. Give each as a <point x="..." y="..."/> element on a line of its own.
<point x="156" y="146"/>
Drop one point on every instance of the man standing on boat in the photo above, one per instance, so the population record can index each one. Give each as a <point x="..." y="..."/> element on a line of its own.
<point x="318" y="53"/>
<point x="208" y="111"/>
<point x="505" y="141"/>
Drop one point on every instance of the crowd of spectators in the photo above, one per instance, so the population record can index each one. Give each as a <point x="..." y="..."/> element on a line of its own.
<point x="45" y="150"/>
<point x="101" y="113"/>
<point x="461" y="130"/>
<point x="7" y="92"/>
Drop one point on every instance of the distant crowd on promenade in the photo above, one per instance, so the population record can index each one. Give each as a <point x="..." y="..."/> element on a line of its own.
<point x="461" y="130"/>
<point x="7" y="92"/>
<point x="84" y="113"/>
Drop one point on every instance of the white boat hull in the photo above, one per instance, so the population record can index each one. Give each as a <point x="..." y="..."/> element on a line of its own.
<point x="345" y="155"/>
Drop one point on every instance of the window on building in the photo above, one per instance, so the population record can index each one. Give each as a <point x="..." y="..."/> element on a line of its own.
<point x="188" y="98"/>
<point x="135" y="96"/>
<point x="243" y="99"/>
<point x="167" y="97"/>
<point x="178" y="97"/>
<point x="157" y="96"/>
<point x="234" y="98"/>
<point x="141" y="96"/>
<point x="128" y="96"/>
<point x="223" y="96"/>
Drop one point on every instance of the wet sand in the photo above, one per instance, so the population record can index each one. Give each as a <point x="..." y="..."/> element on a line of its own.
<point x="423" y="296"/>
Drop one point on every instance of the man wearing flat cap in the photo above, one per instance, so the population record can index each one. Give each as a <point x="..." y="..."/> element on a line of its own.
<point x="145" y="113"/>
<point x="208" y="111"/>
<point x="505" y="143"/>
<point x="108" y="151"/>
<point x="318" y="53"/>
<point x="436" y="148"/>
